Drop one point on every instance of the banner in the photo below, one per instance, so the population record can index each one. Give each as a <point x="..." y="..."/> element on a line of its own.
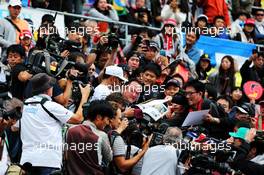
<point x="217" y="48"/>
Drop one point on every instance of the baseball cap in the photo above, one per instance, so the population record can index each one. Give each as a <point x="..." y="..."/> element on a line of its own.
<point x="15" y="3"/>
<point x="153" y="44"/>
<point x="170" y="21"/>
<point x="241" y="133"/>
<point x="179" y="99"/>
<point x="243" y="111"/>
<point x="41" y="82"/>
<point x="172" y="82"/>
<point x="205" y="57"/>
<point x="116" y="72"/>
<point x="250" y="21"/>
<point x="25" y="33"/>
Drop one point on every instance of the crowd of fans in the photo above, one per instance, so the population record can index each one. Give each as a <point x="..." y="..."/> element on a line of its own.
<point x="83" y="92"/>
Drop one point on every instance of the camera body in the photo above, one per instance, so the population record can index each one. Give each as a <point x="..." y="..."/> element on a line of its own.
<point x="12" y="114"/>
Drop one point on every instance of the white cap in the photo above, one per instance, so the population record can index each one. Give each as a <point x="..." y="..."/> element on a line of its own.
<point x="115" y="71"/>
<point x="202" y="16"/>
<point x="15" y="3"/>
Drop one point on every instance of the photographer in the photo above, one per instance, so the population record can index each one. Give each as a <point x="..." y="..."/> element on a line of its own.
<point x="242" y="138"/>
<point x="45" y="118"/>
<point x="19" y="73"/>
<point x="9" y="140"/>
<point x="163" y="158"/>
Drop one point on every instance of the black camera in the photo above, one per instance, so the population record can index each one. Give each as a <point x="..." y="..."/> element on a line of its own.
<point x="12" y="114"/>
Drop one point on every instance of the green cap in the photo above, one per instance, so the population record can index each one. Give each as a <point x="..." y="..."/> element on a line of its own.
<point x="241" y="133"/>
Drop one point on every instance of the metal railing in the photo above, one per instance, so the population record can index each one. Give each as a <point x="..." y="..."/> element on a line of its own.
<point x="126" y="24"/>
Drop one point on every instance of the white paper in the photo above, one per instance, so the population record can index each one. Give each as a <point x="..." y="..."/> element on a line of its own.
<point x="195" y="118"/>
<point x="155" y="108"/>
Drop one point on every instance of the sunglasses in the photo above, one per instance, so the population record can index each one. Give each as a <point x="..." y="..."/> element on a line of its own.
<point x="259" y="14"/>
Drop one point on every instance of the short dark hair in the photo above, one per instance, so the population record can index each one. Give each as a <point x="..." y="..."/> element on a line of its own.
<point x="74" y="55"/>
<point x="153" y="67"/>
<point x="98" y="107"/>
<point x="16" y="48"/>
<point x="197" y="85"/>
<point x="116" y="97"/>
<point x="218" y="17"/>
<point x="227" y="98"/>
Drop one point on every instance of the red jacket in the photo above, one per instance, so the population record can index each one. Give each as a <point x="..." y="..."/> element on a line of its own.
<point x="212" y="8"/>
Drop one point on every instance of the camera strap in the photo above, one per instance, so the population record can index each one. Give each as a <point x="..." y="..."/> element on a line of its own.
<point x="43" y="100"/>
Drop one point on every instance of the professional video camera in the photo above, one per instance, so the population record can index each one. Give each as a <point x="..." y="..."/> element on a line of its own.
<point x="55" y="44"/>
<point x="206" y="164"/>
<point x="41" y="61"/>
<point x="12" y="114"/>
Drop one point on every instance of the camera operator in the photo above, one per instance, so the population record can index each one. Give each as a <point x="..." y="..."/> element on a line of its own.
<point x="45" y="118"/>
<point x="8" y="140"/>
<point x="163" y="158"/>
<point x="241" y="143"/>
<point x="19" y="73"/>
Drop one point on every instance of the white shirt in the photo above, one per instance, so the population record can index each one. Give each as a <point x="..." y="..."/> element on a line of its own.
<point x="5" y="162"/>
<point x="161" y="159"/>
<point x="41" y="134"/>
<point x="260" y="27"/>
<point x="101" y="92"/>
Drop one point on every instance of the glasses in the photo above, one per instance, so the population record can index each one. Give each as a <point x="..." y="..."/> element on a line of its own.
<point x="259" y="14"/>
<point x="189" y="93"/>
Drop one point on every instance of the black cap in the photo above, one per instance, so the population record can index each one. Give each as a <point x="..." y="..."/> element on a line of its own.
<point x="172" y="82"/>
<point x="153" y="44"/>
<point x="179" y="99"/>
<point x="41" y="82"/>
<point x="205" y="57"/>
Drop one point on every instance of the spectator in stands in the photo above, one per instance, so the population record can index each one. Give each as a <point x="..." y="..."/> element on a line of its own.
<point x="248" y="34"/>
<point x="236" y="96"/>
<point x="178" y="110"/>
<point x="19" y="73"/>
<point x="202" y="24"/>
<point x="167" y="39"/>
<point x="142" y="17"/>
<point x="170" y="88"/>
<point x="203" y="67"/>
<point x="255" y="73"/>
<point x="259" y="23"/>
<point x="97" y="154"/>
<point x="238" y="25"/>
<point x="113" y="76"/>
<point x="11" y="27"/>
<point x="26" y="40"/>
<point x="134" y="61"/>
<point x="101" y="9"/>
<point x="213" y="8"/>
<point x="163" y="158"/>
<point x="219" y="29"/>
<point x="192" y="36"/>
<point x="150" y="54"/>
<point x="177" y="10"/>
<point x="238" y="5"/>
<point x="194" y="91"/>
<point x="156" y="7"/>
<point x="46" y="126"/>
<point x="224" y="80"/>
<point x="150" y="75"/>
